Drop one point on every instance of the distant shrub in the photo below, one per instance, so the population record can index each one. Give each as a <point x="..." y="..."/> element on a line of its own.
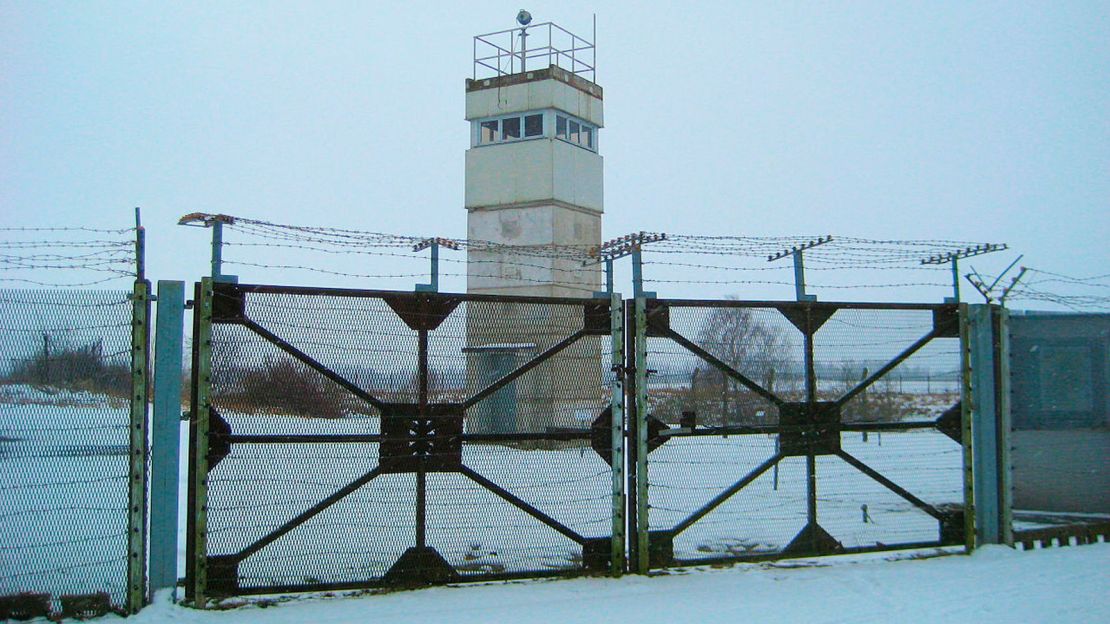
<point x="287" y="387"/>
<point x="82" y="368"/>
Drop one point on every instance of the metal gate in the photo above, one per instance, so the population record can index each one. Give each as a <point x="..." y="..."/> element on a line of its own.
<point x="772" y="430"/>
<point x="346" y="439"/>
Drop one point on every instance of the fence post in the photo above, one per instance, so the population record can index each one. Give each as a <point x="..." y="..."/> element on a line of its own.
<point x="1005" y="425"/>
<point x="989" y="425"/>
<point x="197" y="547"/>
<point x="165" y="434"/>
<point x="137" y="500"/>
<point x="643" y="560"/>
<point x="965" y="428"/>
<point x="616" y="406"/>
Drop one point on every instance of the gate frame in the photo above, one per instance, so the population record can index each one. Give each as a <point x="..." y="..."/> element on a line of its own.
<point x="199" y="561"/>
<point x="641" y="547"/>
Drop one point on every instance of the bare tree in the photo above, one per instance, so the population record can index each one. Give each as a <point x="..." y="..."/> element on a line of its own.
<point x="755" y="349"/>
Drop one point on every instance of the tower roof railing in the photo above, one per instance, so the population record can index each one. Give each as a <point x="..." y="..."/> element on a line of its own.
<point x="535" y="46"/>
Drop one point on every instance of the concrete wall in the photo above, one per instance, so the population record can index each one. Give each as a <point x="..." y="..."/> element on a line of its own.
<point x="1059" y="379"/>
<point x="1062" y="470"/>
<point x="536" y="170"/>
<point x="503" y="272"/>
<point x="547" y="88"/>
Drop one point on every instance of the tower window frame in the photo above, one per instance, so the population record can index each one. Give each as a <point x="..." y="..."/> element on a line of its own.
<point x="535" y="124"/>
<point x="575" y="131"/>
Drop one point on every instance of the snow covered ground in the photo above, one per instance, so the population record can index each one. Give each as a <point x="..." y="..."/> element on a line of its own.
<point x="995" y="584"/>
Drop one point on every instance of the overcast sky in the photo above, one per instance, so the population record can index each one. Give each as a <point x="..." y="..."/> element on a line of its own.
<point x="985" y="121"/>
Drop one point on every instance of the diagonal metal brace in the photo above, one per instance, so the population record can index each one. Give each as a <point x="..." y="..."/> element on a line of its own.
<point x="515" y="501"/>
<point x="524" y="368"/>
<point x="898" y="359"/>
<point x="727" y="494"/>
<point x="313" y="364"/>
<point x="890" y="485"/>
<point x="723" y="367"/>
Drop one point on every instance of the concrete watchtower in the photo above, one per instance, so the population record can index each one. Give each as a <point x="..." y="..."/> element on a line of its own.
<point x="534" y="193"/>
<point x="533" y="171"/>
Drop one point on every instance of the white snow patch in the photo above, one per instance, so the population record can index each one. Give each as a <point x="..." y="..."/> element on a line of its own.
<point x="995" y="584"/>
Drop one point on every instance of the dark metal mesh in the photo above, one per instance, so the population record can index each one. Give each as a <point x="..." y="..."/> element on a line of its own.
<point x="64" y="413"/>
<point x="529" y="439"/>
<point x="889" y="426"/>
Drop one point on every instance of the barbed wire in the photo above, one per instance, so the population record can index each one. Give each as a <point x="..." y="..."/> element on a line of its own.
<point x="1029" y="289"/>
<point x="66" y="229"/>
<point x="69" y="256"/>
<point x="573" y="265"/>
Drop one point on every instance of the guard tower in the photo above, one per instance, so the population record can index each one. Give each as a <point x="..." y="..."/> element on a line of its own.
<point x="534" y="206"/>
<point x="533" y="170"/>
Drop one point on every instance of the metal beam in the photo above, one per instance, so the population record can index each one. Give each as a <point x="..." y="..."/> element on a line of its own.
<point x="723" y="367"/>
<point x="308" y="514"/>
<point x="166" y="434"/>
<point x="139" y="444"/>
<point x="643" y="525"/>
<point x="308" y="360"/>
<point x="890" y="485"/>
<point x="616" y="406"/>
<point x="515" y="501"/>
<point x="524" y="368"/>
<point x="197" y="547"/>
<point x="986" y="432"/>
<point x="727" y="494"/>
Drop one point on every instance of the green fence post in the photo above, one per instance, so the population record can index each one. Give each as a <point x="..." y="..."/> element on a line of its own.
<point x="988" y="426"/>
<point x="137" y="500"/>
<point x="616" y="405"/>
<point x="165" y="434"/>
<point x="643" y="561"/>
<point x="197" y="548"/>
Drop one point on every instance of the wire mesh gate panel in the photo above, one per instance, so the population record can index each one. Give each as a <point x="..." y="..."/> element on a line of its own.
<point x="66" y="402"/>
<point x="349" y="438"/>
<point x="790" y="429"/>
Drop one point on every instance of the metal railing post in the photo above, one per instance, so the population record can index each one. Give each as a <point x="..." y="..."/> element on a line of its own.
<point x="616" y="405"/>
<point x="966" y="398"/>
<point x="1005" y="425"/>
<point x="165" y="434"/>
<point x="987" y="434"/>
<point x="643" y="561"/>
<point x="637" y="273"/>
<point x="197" y="548"/>
<point x="799" y="266"/>
<point x="137" y="480"/>
<point x="217" y="249"/>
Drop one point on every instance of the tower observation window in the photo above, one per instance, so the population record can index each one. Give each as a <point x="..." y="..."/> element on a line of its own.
<point x="536" y="125"/>
<point x="576" y="132"/>
<point x="489" y="132"/>
<point x="533" y="125"/>
<point x="510" y="128"/>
